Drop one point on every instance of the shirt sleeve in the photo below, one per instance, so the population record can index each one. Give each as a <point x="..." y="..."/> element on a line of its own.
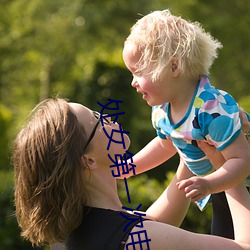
<point x="219" y="120"/>
<point x="159" y="121"/>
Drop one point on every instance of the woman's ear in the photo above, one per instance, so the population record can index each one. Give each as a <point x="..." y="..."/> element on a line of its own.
<point x="90" y="161"/>
<point x="175" y="66"/>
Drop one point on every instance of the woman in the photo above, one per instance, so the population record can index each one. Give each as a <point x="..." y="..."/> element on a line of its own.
<point x="65" y="191"/>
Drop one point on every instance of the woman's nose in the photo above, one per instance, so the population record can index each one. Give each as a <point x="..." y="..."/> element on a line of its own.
<point x="108" y="118"/>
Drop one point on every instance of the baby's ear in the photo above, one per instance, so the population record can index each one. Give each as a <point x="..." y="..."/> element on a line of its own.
<point x="89" y="161"/>
<point x="175" y="66"/>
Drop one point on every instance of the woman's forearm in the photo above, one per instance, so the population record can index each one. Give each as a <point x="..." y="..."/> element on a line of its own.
<point x="171" y="207"/>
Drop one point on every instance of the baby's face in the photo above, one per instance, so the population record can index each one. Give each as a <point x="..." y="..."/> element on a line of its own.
<point x="154" y="93"/>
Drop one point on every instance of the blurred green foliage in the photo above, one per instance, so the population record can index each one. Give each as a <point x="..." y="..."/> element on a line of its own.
<point x="72" y="48"/>
<point x="9" y="231"/>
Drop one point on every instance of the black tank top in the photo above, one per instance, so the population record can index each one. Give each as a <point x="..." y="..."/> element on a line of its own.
<point x="101" y="229"/>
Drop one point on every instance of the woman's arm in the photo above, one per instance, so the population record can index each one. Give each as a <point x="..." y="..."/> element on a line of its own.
<point x="239" y="203"/>
<point x="171" y="207"/>
<point x="166" y="237"/>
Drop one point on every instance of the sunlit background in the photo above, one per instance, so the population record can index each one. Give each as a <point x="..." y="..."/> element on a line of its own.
<point x="72" y="49"/>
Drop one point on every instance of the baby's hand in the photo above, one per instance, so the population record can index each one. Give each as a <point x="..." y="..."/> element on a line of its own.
<point x="194" y="187"/>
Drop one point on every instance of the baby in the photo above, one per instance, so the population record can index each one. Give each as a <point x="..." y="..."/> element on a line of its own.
<point x="170" y="59"/>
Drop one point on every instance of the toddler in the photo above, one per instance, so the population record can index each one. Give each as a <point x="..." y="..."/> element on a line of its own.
<point x="170" y="59"/>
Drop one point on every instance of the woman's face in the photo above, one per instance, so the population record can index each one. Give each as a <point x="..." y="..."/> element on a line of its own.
<point x="100" y="141"/>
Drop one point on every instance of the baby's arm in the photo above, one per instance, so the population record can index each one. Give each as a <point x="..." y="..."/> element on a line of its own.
<point x="152" y="155"/>
<point x="234" y="171"/>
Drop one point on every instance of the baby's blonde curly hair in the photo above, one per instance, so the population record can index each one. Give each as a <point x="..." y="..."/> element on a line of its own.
<point x="160" y="36"/>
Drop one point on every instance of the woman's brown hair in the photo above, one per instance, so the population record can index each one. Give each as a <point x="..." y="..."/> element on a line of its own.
<point x="49" y="186"/>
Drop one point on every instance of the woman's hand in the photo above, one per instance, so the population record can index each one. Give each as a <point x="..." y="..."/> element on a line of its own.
<point x="245" y="124"/>
<point x="196" y="187"/>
